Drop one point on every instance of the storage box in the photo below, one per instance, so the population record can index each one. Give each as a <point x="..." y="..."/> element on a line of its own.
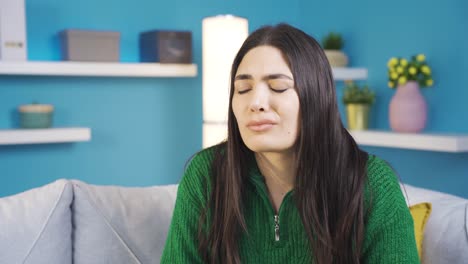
<point x="36" y="115"/>
<point x="90" y="45"/>
<point x="166" y="46"/>
<point x="12" y="30"/>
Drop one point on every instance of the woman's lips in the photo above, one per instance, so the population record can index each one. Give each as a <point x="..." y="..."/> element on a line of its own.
<point x="260" y="126"/>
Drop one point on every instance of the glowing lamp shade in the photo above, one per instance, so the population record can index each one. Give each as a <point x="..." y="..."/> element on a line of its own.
<point x="222" y="36"/>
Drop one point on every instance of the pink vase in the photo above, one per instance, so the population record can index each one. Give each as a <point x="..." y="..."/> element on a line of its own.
<point x="408" y="109"/>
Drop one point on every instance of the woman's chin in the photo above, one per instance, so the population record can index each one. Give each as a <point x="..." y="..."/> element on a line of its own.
<point x="267" y="147"/>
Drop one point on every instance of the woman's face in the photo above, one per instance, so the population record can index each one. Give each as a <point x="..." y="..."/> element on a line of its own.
<point x="265" y="102"/>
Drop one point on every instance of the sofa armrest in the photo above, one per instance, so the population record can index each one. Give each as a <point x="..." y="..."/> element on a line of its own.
<point x="446" y="231"/>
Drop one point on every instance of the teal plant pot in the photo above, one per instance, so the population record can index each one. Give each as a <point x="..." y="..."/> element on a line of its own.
<point x="36" y="116"/>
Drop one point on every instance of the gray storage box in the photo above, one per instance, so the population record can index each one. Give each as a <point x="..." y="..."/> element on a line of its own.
<point x="166" y="46"/>
<point x="87" y="45"/>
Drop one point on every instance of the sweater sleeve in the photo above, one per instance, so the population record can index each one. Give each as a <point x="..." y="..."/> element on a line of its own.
<point x="182" y="240"/>
<point x="389" y="230"/>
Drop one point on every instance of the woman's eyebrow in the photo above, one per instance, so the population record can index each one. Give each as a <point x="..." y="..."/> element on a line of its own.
<point x="243" y="77"/>
<point x="265" y="78"/>
<point x="276" y="76"/>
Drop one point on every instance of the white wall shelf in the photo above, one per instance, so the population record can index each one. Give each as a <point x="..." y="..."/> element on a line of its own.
<point x="349" y="74"/>
<point x="48" y="135"/>
<point x="109" y="69"/>
<point x="418" y="141"/>
<point x="97" y="69"/>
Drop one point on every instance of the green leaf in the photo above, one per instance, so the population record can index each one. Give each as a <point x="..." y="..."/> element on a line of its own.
<point x="332" y="41"/>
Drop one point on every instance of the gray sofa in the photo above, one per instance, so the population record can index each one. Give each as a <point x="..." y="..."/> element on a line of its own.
<point x="71" y="220"/>
<point x="75" y="222"/>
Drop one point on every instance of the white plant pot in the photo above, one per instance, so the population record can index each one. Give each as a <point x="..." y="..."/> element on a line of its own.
<point x="336" y="58"/>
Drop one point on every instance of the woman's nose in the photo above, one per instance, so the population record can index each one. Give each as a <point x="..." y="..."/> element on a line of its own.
<point x="259" y="100"/>
<point x="257" y="107"/>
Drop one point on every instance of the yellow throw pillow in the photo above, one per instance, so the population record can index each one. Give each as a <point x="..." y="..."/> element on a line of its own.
<point x="420" y="213"/>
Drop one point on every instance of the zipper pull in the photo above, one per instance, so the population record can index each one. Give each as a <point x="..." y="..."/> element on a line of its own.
<point x="277" y="234"/>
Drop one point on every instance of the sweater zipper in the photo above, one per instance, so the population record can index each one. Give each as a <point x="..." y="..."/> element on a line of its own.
<point x="277" y="228"/>
<point x="264" y="196"/>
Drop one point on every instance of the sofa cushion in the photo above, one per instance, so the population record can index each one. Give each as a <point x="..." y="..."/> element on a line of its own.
<point x="420" y="213"/>
<point x="115" y="224"/>
<point x="445" y="236"/>
<point x="35" y="225"/>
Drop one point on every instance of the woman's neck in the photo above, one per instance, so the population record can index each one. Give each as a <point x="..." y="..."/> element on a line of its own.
<point x="278" y="169"/>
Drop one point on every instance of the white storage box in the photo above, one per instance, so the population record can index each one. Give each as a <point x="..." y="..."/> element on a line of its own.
<point x="13" y="30"/>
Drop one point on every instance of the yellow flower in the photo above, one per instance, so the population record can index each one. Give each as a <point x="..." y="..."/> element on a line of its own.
<point x="392" y="62"/>
<point x="420" y="57"/>
<point x="425" y="69"/>
<point x="401" y="70"/>
<point x="402" y="80"/>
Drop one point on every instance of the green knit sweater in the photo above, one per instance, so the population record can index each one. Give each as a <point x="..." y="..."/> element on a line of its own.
<point x="389" y="234"/>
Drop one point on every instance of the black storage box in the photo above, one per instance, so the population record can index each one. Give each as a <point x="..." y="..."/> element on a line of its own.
<point x="166" y="46"/>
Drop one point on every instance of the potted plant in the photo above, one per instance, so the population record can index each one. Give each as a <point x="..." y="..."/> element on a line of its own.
<point x="332" y="44"/>
<point x="358" y="101"/>
<point x="408" y="108"/>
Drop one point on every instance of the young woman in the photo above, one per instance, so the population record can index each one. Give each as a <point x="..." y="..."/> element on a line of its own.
<point x="289" y="185"/>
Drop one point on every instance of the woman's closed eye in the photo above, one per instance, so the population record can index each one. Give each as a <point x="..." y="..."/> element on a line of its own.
<point x="279" y="90"/>
<point x="243" y="90"/>
<point x="274" y="89"/>
<point x="280" y="86"/>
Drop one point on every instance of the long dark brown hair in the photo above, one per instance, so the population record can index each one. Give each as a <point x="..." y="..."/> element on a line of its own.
<point x="331" y="169"/>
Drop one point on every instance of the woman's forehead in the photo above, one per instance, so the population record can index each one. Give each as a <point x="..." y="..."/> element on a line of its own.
<point x="264" y="61"/>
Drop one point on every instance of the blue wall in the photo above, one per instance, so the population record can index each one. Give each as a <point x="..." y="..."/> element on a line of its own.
<point x="144" y="130"/>
<point x="374" y="31"/>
